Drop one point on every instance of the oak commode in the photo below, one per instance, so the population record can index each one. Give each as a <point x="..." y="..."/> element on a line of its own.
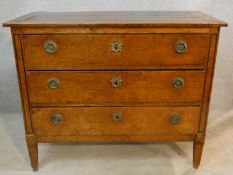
<point x="115" y="76"/>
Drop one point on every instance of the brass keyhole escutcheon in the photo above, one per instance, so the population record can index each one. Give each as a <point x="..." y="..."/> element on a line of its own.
<point x="53" y="83"/>
<point x="116" y="46"/>
<point x="181" y="47"/>
<point x="50" y="47"/>
<point x="116" y="82"/>
<point x="57" y="118"/>
<point x="174" y="118"/>
<point x="178" y="83"/>
<point x="117" y="116"/>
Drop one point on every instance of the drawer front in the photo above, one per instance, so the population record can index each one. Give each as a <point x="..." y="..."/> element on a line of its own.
<point x="115" y="51"/>
<point x="114" y="87"/>
<point x="115" y="120"/>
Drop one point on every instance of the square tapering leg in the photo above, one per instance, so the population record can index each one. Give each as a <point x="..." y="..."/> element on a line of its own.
<point x="197" y="149"/>
<point x="33" y="154"/>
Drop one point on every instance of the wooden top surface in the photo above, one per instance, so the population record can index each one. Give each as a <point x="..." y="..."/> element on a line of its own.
<point x="116" y="19"/>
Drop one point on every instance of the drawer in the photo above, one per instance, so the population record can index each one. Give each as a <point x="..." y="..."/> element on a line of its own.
<point x="115" y="120"/>
<point x="114" y="87"/>
<point x="115" y="51"/>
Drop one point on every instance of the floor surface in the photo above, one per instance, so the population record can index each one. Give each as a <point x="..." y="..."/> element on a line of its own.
<point x="117" y="159"/>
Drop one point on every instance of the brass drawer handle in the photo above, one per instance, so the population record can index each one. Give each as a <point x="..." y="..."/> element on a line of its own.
<point x="116" y="82"/>
<point x="181" y="47"/>
<point x="53" y="83"/>
<point x="117" y="116"/>
<point x="56" y="118"/>
<point x="50" y="47"/>
<point x="174" y="118"/>
<point x="178" y="83"/>
<point x="116" y="46"/>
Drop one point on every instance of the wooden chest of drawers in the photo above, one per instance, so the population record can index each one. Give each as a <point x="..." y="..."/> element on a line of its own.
<point x="115" y="76"/>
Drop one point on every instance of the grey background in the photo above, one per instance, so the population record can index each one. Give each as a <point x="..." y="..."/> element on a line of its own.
<point x="222" y="95"/>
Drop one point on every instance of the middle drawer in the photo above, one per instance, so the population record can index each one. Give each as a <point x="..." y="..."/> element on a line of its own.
<point x="114" y="87"/>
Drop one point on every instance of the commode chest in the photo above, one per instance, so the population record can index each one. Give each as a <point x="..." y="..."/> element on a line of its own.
<point x="115" y="76"/>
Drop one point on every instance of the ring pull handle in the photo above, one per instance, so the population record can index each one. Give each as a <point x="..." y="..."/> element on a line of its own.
<point x="181" y="47"/>
<point x="178" y="83"/>
<point x="116" y="46"/>
<point x="56" y="118"/>
<point x="174" y="118"/>
<point x="117" y="116"/>
<point x="50" y="47"/>
<point x="53" y="83"/>
<point x="116" y="82"/>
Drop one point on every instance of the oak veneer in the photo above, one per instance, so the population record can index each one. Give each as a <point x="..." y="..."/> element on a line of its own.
<point x="113" y="76"/>
<point x="90" y="51"/>
<point x="84" y="87"/>
<point x="98" y="121"/>
<point x="116" y="19"/>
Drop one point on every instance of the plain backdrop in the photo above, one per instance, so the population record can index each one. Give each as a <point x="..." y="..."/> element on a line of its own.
<point x="222" y="93"/>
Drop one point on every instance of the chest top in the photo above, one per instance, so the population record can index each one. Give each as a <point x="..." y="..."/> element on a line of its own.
<point x="116" y="19"/>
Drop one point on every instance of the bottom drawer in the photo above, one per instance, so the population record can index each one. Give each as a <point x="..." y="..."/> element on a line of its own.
<point x="115" y="120"/>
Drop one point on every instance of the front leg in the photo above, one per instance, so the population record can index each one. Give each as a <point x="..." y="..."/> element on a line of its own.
<point x="197" y="149"/>
<point x="33" y="151"/>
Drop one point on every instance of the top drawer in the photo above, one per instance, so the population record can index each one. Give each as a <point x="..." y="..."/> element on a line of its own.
<point x="115" y="51"/>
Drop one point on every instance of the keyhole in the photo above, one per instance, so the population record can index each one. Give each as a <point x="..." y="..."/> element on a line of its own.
<point x="116" y="83"/>
<point x="116" y="47"/>
<point x="117" y="116"/>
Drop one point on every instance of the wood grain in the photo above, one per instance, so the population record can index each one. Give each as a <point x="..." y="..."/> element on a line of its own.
<point x="99" y="121"/>
<point x="208" y="82"/>
<point x="143" y="51"/>
<point x="85" y="65"/>
<point x="33" y="152"/>
<point x="116" y="138"/>
<point x="32" y="146"/>
<point x="116" y="19"/>
<point x="22" y="83"/>
<point x="198" y="148"/>
<point x="96" y="87"/>
<point x="112" y="30"/>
